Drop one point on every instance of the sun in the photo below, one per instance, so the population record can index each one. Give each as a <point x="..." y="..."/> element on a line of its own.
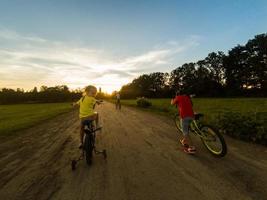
<point x="110" y="83"/>
<point x="107" y="90"/>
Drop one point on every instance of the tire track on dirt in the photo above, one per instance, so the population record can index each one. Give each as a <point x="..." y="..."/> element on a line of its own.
<point x="37" y="161"/>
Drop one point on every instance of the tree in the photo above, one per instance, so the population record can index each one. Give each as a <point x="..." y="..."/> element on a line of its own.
<point x="35" y="90"/>
<point x="257" y="61"/>
<point x="148" y="85"/>
<point x="246" y="67"/>
<point x="214" y="62"/>
<point x="183" y="78"/>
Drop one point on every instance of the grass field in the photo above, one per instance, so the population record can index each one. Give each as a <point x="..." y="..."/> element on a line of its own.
<point x="212" y="107"/>
<point x="17" y="117"/>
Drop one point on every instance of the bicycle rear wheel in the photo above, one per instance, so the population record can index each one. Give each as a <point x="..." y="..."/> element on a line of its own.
<point x="88" y="148"/>
<point x="213" y="141"/>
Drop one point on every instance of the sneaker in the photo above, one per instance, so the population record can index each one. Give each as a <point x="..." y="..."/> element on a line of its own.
<point x="184" y="144"/>
<point x="190" y="150"/>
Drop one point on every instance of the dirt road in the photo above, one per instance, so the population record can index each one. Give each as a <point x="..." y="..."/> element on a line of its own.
<point x="144" y="161"/>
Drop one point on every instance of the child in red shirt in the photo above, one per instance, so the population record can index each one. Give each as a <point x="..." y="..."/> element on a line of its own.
<point x="186" y="112"/>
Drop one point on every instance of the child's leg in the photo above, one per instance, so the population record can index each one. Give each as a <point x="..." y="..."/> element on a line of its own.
<point x="185" y="127"/>
<point x="188" y="140"/>
<point x="81" y="133"/>
<point x="96" y="118"/>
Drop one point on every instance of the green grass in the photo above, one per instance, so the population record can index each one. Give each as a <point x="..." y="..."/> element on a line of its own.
<point x="21" y="116"/>
<point x="212" y="107"/>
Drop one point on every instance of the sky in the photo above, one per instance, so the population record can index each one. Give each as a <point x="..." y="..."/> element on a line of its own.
<point x="108" y="43"/>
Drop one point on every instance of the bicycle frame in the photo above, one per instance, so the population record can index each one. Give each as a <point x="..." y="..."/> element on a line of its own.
<point x="92" y="131"/>
<point x="194" y="128"/>
<point x="88" y="130"/>
<point x="206" y="133"/>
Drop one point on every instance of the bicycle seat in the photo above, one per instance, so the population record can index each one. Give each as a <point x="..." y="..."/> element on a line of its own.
<point x="198" y="116"/>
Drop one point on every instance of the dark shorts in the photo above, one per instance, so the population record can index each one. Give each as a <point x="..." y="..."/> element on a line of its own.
<point x="85" y="122"/>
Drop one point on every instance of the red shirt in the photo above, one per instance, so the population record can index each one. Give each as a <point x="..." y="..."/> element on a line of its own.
<point x="185" y="106"/>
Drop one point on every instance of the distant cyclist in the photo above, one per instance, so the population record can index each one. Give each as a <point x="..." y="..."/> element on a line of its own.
<point x="87" y="113"/>
<point x="185" y="106"/>
<point x="118" y="100"/>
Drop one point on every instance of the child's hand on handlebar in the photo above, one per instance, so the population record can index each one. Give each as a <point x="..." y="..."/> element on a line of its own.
<point x="99" y="102"/>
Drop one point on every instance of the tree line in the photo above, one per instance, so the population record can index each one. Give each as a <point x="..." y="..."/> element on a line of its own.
<point x="60" y="93"/>
<point x="44" y="95"/>
<point x="242" y="72"/>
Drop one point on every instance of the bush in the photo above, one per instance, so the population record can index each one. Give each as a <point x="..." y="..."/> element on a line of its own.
<point x="244" y="127"/>
<point x="143" y="102"/>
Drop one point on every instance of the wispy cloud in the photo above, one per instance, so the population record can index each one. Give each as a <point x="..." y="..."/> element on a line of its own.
<point x="26" y="61"/>
<point x="12" y="35"/>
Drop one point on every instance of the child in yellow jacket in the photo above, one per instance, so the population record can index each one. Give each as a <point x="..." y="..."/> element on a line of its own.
<point x="86" y="112"/>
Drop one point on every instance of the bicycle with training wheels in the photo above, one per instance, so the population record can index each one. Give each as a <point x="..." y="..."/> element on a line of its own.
<point x="89" y="145"/>
<point x="210" y="137"/>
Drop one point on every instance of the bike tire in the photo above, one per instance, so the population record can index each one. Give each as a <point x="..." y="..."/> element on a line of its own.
<point x="212" y="131"/>
<point x="88" y="141"/>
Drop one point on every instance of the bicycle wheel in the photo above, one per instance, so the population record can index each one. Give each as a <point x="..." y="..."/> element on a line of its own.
<point x="177" y="122"/>
<point x="213" y="141"/>
<point x="88" y="147"/>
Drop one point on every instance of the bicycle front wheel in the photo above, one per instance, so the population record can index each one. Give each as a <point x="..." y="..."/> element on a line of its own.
<point x="88" y="148"/>
<point x="213" y="141"/>
<point x="177" y="121"/>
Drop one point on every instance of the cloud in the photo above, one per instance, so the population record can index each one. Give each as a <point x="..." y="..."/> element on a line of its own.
<point x="28" y="61"/>
<point x="149" y="57"/>
<point x="14" y="36"/>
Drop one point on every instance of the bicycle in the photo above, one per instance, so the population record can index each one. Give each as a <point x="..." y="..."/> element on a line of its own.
<point x="89" y="145"/>
<point x="118" y="104"/>
<point x="208" y="135"/>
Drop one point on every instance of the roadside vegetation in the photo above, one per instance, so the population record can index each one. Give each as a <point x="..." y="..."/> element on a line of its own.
<point x="21" y="116"/>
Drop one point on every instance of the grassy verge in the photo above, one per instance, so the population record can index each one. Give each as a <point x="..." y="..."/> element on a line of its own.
<point x="21" y="116"/>
<point x="211" y="107"/>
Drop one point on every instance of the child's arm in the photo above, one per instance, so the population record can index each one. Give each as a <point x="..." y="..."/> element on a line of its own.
<point x="98" y="102"/>
<point x="174" y="101"/>
<point x="75" y="104"/>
